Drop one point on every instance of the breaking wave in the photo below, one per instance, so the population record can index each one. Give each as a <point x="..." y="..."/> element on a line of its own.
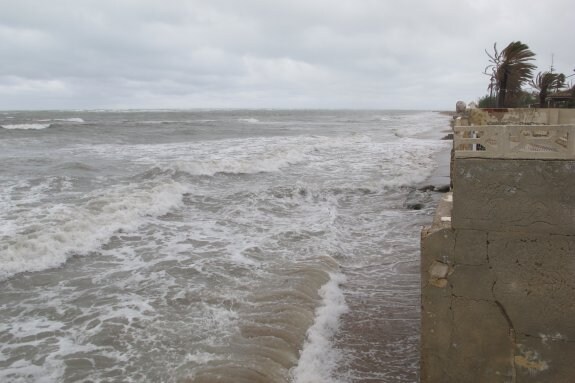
<point x="249" y="120"/>
<point x="73" y="119"/>
<point x="319" y="358"/>
<point x="25" y="126"/>
<point x="61" y="231"/>
<point x="265" y="162"/>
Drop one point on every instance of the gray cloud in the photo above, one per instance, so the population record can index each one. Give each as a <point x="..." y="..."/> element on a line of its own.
<point x="263" y="53"/>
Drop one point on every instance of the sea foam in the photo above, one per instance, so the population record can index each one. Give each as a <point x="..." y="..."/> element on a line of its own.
<point x="25" y="126"/>
<point x="272" y="161"/>
<point x="249" y="120"/>
<point x="73" y="119"/>
<point x="319" y="358"/>
<point x="60" y="231"/>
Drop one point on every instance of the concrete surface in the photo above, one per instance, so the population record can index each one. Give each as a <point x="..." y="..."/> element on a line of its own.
<point x="498" y="279"/>
<point x="514" y="195"/>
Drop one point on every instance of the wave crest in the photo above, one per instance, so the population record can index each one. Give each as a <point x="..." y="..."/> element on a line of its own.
<point x="249" y="120"/>
<point x="25" y="126"/>
<point x="66" y="230"/>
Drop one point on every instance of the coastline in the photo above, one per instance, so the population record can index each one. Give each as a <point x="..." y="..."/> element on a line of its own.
<point x="440" y="176"/>
<point x="437" y="182"/>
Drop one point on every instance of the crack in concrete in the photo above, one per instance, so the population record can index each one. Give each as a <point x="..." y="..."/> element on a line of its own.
<point x="512" y="334"/>
<point x="507" y="319"/>
<point x="487" y="250"/>
<point x="513" y="338"/>
<point x="452" y="315"/>
<point x="531" y="223"/>
<point x="471" y="299"/>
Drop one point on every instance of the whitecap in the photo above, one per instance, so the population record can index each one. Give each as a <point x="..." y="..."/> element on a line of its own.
<point x="319" y="357"/>
<point x="265" y="162"/>
<point x="25" y="126"/>
<point x="249" y="120"/>
<point x="73" y="119"/>
<point x="60" y="231"/>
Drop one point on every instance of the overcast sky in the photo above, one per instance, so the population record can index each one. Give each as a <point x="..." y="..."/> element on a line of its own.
<point x="382" y="54"/>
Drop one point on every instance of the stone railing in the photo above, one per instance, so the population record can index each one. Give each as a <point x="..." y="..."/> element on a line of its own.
<point x="515" y="141"/>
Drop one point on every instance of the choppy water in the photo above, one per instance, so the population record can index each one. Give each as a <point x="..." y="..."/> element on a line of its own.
<point x="211" y="246"/>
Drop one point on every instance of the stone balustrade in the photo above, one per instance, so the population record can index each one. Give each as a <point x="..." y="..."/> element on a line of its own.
<point x="546" y="142"/>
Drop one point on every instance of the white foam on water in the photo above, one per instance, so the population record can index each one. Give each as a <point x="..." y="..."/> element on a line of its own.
<point x="376" y="165"/>
<point x="201" y="357"/>
<point x="234" y="156"/>
<point x="25" y="126"/>
<point x="249" y="120"/>
<point x="46" y="237"/>
<point x="172" y="279"/>
<point x="215" y="319"/>
<point x="72" y="345"/>
<point x="61" y="341"/>
<point x="17" y="193"/>
<point x="72" y="119"/>
<point x="22" y="371"/>
<point x="319" y="358"/>
<point x="411" y="163"/>
<point x="36" y="330"/>
<point x="272" y="161"/>
<point x="31" y="327"/>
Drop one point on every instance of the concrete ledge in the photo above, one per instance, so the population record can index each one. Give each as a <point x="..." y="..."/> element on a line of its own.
<point x="514" y="195"/>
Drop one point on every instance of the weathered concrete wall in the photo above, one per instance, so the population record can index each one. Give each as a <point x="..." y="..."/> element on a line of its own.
<point x="548" y="116"/>
<point x="498" y="286"/>
<point x="518" y="195"/>
<point x="561" y="116"/>
<point x="517" y="116"/>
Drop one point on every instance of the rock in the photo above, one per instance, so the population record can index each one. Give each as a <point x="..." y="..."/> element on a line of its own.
<point x="460" y="106"/>
<point x="414" y="205"/>
<point x="448" y="137"/>
<point x="426" y="188"/>
<point x="415" y="200"/>
<point x="435" y="188"/>
<point x="442" y="188"/>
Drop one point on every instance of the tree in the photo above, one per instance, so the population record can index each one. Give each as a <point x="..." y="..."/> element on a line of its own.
<point x="546" y="81"/>
<point x="510" y="69"/>
<point x="487" y="101"/>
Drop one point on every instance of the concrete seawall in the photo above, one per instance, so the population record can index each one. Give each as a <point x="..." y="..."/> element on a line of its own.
<point x="498" y="274"/>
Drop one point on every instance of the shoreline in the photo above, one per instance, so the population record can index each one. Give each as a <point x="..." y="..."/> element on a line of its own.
<point x="440" y="176"/>
<point x="437" y="181"/>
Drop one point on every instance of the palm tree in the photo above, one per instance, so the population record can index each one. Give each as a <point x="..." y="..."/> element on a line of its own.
<point x="510" y="69"/>
<point x="546" y="81"/>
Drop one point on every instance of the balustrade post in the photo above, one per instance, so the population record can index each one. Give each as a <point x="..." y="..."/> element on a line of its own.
<point x="571" y="140"/>
<point x="503" y="140"/>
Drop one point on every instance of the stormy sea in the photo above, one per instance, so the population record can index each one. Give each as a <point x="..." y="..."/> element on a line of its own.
<point x="212" y="245"/>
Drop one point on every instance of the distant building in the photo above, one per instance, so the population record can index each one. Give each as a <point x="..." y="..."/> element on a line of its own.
<point x="562" y="99"/>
